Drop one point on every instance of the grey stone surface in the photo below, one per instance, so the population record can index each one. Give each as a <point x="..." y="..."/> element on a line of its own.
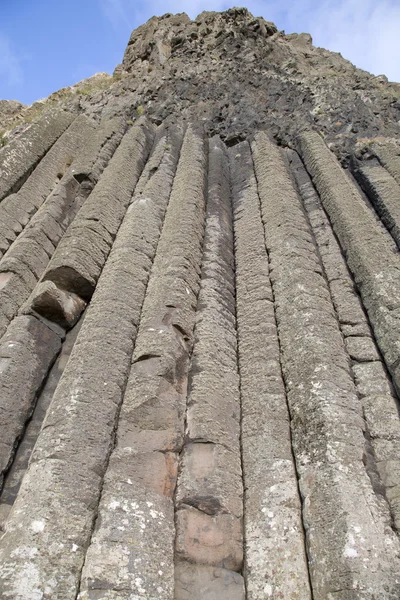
<point x="71" y="454"/>
<point x="13" y="291"/>
<point x="29" y="255"/>
<point x="141" y="476"/>
<point x="99" y="148"/>
<point x="361" y="349"/>
<point x="238" y="74"/>
<point x="80" y="257"/>
<point x="381" y="411"/>
<point x="388" y="153"/>
<point x="132" y="545"/>
<point x="380" y="404"/>
<point x="17" y="209"/>
<point x="222" y="424"/>
<point x="24" y="449"/>
<point x="209" y="539"/>
<point x="373" y="385"/>
<point x="210" y="477"/>
<point x="198" y="582"/>
<point x="383" y="191"/>
<point x="59" y="306"/>
<point x="213" y="413"/>
<point x="21" y="155"/>
<point x="276" y="563"/>
<point x="370" y="257"/>
<point x="27" y="351"/>
<point x="349" y="543"/>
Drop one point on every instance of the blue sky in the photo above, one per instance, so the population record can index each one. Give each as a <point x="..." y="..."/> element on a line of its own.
<point x="46" y="45"/>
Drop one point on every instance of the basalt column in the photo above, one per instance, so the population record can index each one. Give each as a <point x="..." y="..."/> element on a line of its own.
<point x="352" y="552"/>
<point x="209" y="498"/>
<point x="275" y="559"/>
<point x="132" y="550"/>
<point x="52" y="518"/>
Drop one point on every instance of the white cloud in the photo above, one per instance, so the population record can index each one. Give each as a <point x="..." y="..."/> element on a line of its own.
<point x="131" y="13"/>
<point x="366" y="32"/>
<point x="192" y="8"/>
<point x="117" y="12"/>
<point x="10" y="64"/>
<point x="363" y="31"/>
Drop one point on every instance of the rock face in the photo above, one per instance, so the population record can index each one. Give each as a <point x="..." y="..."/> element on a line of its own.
<point x="199" y="326"/>
<point x="240" y="74"/>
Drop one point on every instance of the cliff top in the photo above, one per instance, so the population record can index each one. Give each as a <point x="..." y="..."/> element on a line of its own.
<point x="235" y="73"/>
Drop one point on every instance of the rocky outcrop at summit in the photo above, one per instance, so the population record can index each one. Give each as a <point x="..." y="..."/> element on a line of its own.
<point x="239" y="74"/>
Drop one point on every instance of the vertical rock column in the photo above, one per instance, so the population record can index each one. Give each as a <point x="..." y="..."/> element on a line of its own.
<point x="12" y="481"/>
<point x="17" y="209"/>
<point x="388" y="154"/>
<point x="28" y="256"/>
<point x="352" y="552"/>
<point x="132" y="550"/>
<point x="28" y="230"/>
<point x="27" y="351"/>
<point x="383" y="191"/>
<point x="369" y="254"/>
<point x="209" y="499"/>
<point x="373" y="384"/>
<point x="22" y="266"/>
<point x="77" y="263"/>
<point x="275" y="560"/>
<point x="50" y="525"/>
<point x="22" y="154"/>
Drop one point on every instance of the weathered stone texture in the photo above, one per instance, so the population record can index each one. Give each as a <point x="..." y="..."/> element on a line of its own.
<point x="388" y="154"/>
<point x="383" y="191"/>
<point x="29" y="255"/>
<point x="17" y="209"/>
<point x="209" y="539"/>
<point x="23" y="452"/>
<point x="26" y="353"/>
<point x="369" y="254"/>
<point x="141" y="477"/>
<point x="213" y="412"/>
<point x="239" y="74"/>
<point x="275" y="560"/>
<point x="72" y="450"/>
<point x="40" y="222"/>
<point x="80" y="257"/>
<point x="221" y="420"/>
<point x="99" y="149"/>
<point x="21" y="155"/>
<point x="207" y="583"/>
<point x="57" y="305"/>
<point x="377" y="398"/>
<point x="209" y="499"/>
<point x="349" y="544"/>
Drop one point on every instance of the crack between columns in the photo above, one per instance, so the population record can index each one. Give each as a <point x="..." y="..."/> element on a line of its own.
<point x="244" y="568"/>
<point x="180" y="452"/>
<point x="369" y="457"/>
<point x="312" y="597"/>
<point x="113" y="437"/>
<point x="19" y="440"/>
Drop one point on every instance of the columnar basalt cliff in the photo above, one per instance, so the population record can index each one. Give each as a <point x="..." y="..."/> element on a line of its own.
<point x="199" y="325"/>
